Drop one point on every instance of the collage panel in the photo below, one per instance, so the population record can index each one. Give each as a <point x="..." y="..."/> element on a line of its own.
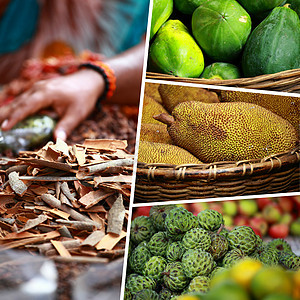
<point x="230" y="249"/>
<point x="226" y="43"/>
<point x="198" y="142"/>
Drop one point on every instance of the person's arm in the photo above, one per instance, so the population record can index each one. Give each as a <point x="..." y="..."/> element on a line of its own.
<point x="74" y="96"/>
<point x="128" y="70"/>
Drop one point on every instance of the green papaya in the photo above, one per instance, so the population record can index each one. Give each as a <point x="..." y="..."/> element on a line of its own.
<point x="161" y="11"/>
<point x="274" y="45"/>
<point x="259" y="6"/>
<point x="221" y="28"/>
<point x="27" y="134"/>
<point x="174" y="51"/>
<point x="187" y="6"/>
<point x="220" y="70"/>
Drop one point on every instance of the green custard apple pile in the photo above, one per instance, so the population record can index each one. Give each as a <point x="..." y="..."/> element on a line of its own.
<point x="224" y="39"/>
<point x="173" y="252"/>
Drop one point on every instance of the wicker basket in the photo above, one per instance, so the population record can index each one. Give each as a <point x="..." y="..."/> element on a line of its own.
<point x="286" y="81"/>
<point x="273" y="174"/>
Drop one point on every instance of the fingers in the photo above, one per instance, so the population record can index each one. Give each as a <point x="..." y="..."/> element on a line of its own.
<point x="67" y="124"/>
<point x="23" y="106"/>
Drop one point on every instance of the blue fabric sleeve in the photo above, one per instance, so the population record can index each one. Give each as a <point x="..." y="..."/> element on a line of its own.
<point x="18" y="24"/>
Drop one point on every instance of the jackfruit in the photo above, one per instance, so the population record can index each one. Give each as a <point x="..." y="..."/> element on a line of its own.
<point x="151" y="90"/>
<point x="229" y="131"/>
<point x="172" y="95"/>
<point x="155" y="133"/>
<point x="287" y="107"/>
<point x="151" y="108"/>
<point x="150" y="152"/>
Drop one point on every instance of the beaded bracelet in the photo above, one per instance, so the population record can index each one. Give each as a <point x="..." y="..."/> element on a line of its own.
<point x="108" y="75"/>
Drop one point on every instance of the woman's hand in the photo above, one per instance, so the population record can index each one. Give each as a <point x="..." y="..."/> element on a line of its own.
<point x="73" y="98"/>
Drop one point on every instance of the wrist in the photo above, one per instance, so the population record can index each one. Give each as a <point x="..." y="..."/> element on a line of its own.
<point x="106" y="74"/>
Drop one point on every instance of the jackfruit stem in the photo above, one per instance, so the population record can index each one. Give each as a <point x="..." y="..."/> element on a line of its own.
<point x="164" y="118"/>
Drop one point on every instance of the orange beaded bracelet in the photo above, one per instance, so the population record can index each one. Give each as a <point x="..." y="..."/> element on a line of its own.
<point x="108" y="75"/>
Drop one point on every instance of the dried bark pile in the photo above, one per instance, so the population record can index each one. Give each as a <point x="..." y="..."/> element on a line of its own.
<point x="66" y="202"/>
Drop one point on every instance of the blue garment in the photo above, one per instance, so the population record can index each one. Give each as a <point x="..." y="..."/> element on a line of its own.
<point x="18" y="24"/>
<point x="125" y="23"/>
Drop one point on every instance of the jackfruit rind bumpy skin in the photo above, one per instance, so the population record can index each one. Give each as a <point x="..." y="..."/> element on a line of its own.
<point x="243" y="238"/>
<point x="196" y="238"/>
<point x="157" y="133"/>
<point x="172" y="95"/>
<point x="150" y="109"/>
<point x="230" y="131"/>
<point x="210" y="219"/>
<point x="141" y="229"/>
<point x="150" y="152"/>
<point x="196" y="262"/>
<point x="287" y="107"/>
<point x="179" y="220"/>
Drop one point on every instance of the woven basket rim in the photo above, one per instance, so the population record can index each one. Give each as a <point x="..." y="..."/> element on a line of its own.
<point x="218" y="170"/>
<point x="288" y="80"/>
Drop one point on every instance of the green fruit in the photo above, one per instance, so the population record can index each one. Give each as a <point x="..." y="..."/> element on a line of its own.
<point x="196" y="262"/>
<point x="136" y="283"/>
<point x="271" y="280"/>
<point x="280" y="245"/>
<point x="221" y="28"/>
<point x="158" y="215"/>
<point x="218" y="247"/>
<point x="210" y="219"/>
<point x="146" y="295"/>
<point x="268" y="50"/>
<point x="154" y="267"/>
<point x="165" y="294"/>
<point x="187" y="6"/>
<point x="277" y="297"/>
<point x="232" y="256"/>
<point x="199" y="284"/>
<point x="290" y="261"/>
<point x="268" y="256"/>
<point x="179" y="220"/>
<point x="174" y="277"/>
<point x="196" y="238"/>
<point x="161" y="11"/>
<point x="295" y="227"/>
<point x="259" y="6"/>
<point x="241" y="131"/>
<point x="219" y="70"/>
<point x="138" y="258"/>
<point x="174" y="251"/>
<point x="158" y="243"/>
<point x="243" y="238"/>
<point x="228" y="290"/>
<point x="127" y="295"/>
<point x="174" y="51"/>
<point x="141" y="229"/>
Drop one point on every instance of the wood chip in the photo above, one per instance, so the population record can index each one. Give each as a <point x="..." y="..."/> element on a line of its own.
<point x="17" y="185"/>
<point x="34" y="222"/>
<point x="116" y="216"/>
<point x="110" y="240"/>
<point x="61" y="248"/>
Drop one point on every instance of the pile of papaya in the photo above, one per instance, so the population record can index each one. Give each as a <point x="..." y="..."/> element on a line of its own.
<point x="224" y="39"/>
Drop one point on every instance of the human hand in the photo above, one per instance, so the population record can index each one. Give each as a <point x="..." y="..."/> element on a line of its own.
<point x="73" y="98"/>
